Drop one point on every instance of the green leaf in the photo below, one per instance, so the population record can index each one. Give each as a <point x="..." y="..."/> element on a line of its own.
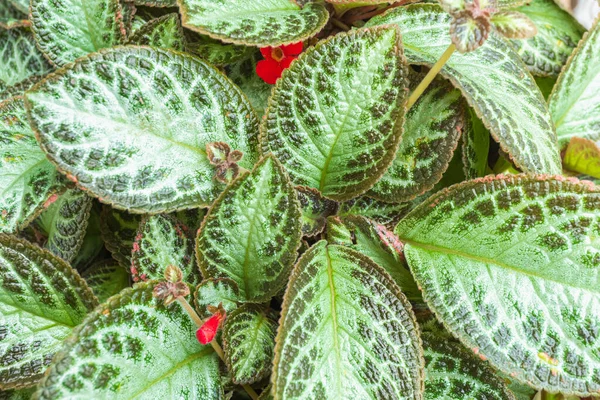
<point x="243" y="74"/>
<point x="346" y="332"/>
<point x="154" y="111"/>
<point x="162" y="241"/>
<point x="27" y="178"/>
<point x="11" y="17"/>
<point x="106" y="278"/>
<point x="315" y="210"/>
<point x="192" y="218"/>
<point x="18" y="89"/>
<point x="252" y="232"/>
<point x="22" y="394"/>
<point x="511" y="265"/>
<point x="92" y="241"/>
<point x="546" y="84"/>
<point x="249" y="342"/>
<point x="575" y="99"/>
<point x="19" y="58"/>
<point x="514" y="25"/>
<point x="335" y="116"/>
<point x="156" y="3"/>
<point x="379" y="244"/>
<point x="583" y="156"/>
<point x="65" y="222"/>
<point x="212" y="292"/>
<point x="469" y="32"/>
<point x="119" y="229"/>
<point x="557" y="35"/>
<point x="256" y="23"/>
<point x="165" y="32"/>
<point x="455" y="373"/>
<point x="387" y="214"/>
<point x="128" y="11"/>
<point x="431" y="133"/>
<point x="21" y="5"/>
<point x="41" y="299"/>
<point x="475" y="147"/>
<point x="216" y="52"/>
<point x="69" y="29"/>
<point x="134" y="347"/>
<point x="494" y="81"/>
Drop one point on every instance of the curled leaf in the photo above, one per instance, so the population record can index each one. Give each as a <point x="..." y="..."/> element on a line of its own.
<point x="468" y="31"/>
<point x="168" y="292"/>
<point x="583" y="156"/>
<point x="514" y="25"/>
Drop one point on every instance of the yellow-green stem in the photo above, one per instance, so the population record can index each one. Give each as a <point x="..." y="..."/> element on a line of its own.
<point x="190" y="310"/>
<point x="414" y="96"/>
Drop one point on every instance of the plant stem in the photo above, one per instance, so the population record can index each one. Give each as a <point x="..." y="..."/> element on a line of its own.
<point x="190" y="310"/>
<point x="437" y="67"/>
<point x="340" y="24"/>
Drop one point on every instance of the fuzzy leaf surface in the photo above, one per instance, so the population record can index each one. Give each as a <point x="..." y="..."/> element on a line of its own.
<point x="134" y="347"/>
<point x="331" y="342"/>
<point x="11" y="17"/>
<point x="249" y="343"/>
<point x="215" y="291"/>
<point x="118" y="230"/>
<point x="475" y="147"/>
<point x="335" y="116"/>
<point x="252" y="232"/>
<point x="256" y="23"/>
<point x="216" y="52"/>
<point x="165" y="32"/>
<point x="106" y="278"/>
<point x="387" y="214"/>
<point x="575" y="99"/>
<point x="315" y="210"/>
<point x="511" y="265"/>
<point x="27" y="178"/>
<point x="19" y="58"/>
<point x="41" y="300"/>
<point x="494" y="81"/>
<point x="130" y="124"/>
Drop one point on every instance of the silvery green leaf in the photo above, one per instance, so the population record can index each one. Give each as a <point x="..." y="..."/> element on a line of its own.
<point x="215" y="291"/>
<point x="475" y="147"/>
<point x="216" y="52"/>
<point x="19" y="57"/>
<point x="106" y="278"/>
<point x="387" y="214"/>
<point x="315" y="210"/>
<point x="165" y="32"/>
<point x="118" y="229"/>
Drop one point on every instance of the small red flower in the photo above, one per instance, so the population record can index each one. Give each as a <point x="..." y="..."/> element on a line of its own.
<point x="207" y="332"/>
<point x="276" y="60"/>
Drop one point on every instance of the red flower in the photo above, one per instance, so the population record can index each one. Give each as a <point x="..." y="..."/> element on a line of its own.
<point x="276" y="60"/>
<point x="207" y="332"/>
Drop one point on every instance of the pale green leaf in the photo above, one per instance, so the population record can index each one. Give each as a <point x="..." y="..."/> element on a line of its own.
<point x="249" y="342"/>
<point x="165" y="32"/>
<point x="494" y="81"/>
<point x="106" y="278"/>
<point x="387" y="214"/>
<point x="21" y="5"/>
<point x="582" y="156"/>
<point x="252" y="232"/>
<point x="557" y="35"/>
<point x="216" y="52"/>
<point x="431" y="133"/>
<point x="257" y="23"/>
<point x="19" y="58"/>
<point x="118" y="229"/>
<point x="131" y="124"/>
<point x="315" y="210"/>
<point x="511" y="265"/>
<point x="475" y="147"/>
<point x="468" y="32"/>
<point x="156" y="3"/>
<point x="133" y="347"/>
<point x="212" y="292"/>
<point x="41" y="300"/>
<point x="18" y="89"/>
<point x="11" y="17"/>
<point x="346" y="332"/>
<point x="575" y="99"/>
<point x="162" y="241"/>
<point x="335" y="116"/>
<point x="514" y="25"/>
<point x="243" y="74"/>
<point x="27" y="179"/>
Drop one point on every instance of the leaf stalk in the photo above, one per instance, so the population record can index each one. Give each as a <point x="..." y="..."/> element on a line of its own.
<point x="424" y="84"/>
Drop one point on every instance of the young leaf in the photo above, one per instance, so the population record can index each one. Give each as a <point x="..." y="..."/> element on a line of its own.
<point x="475" y="147"/>
<point x="454" y="373"/>
<point x="69" y="29"/>
<point x="65" y="222"/>
<point x="41" y="299"/>
<point x="469" y="32"/>
<point x="335" y="116"/>
<point x="243" y="74"/>
<point x="510" y="265"/>
<point x="27" y="178"/>
<point x="575" y="99"/>
<point x="106" y="278"/>
<point x="252" y="232"/>
<point x="19" y="58"/>
<point x="134" y="347"/>
<point x="557" y="35"/>
<point x="346" y="332"/>
<point x="249" y="342"/>
<point x="162" y="241"/>
<point x="256" y="23"/>
<point x="583" y="156"/>
<point x="494" y="81"/>
<point x="216" y="52"/>
<point x="165" y="32"/>
<point x="154" y="112"/>
<point x="377" y="243"/>
<point x="212" y="292"/>
<point x="514" y="25"/>
<point x="315" y="210"/>
<point x="119" y="229"/>
<point x="387" y="214"/>
<point x="431" y="132"/>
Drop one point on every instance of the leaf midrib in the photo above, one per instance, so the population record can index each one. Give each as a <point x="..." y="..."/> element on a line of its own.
<point x="336" y="344"/>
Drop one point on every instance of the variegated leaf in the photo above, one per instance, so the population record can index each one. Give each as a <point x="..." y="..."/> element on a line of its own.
<point x="128" y="11"/>
<point x="387" y="214"/>
<point x="582" y="156"/>
<point x="11" y="17"/>
<point x="379" y="244"/>
<point x="119" y="229"/>
<point x="256" y="23"/>
<point x="21" y="5"/>
<point x="243" y="74"/>
<point x="332" y="344"/>
<point x="191" y="218"/>
<point x="156" y="3"/>
<point x="335" y="116"/>
<point x="162" y="241"/>
<point x="216" y="52"/>
<point x="19" y="58"/>
<point x="475" y="147"/>
<point x="252" y="232"/>
<point x="27" y="179"/>
<point x="469" y="32"/>
<point x="65" y="222"/>
<point x="41" y="300"/>
<point x="134" y="347"/>
<point x="431" y="133"/>
<point x="511" y="265"/>
<point x="69" y="29"/>
<point x="249" y="342"/>
<point x="575" y="99"/>
<point x="557" y="35"/>
<point x="165" y="32"/>
<point x="494" y="81"/>
<point x="215" y="291"/>
<point x="92" y="244"/>
<point x="514" y="25"/>
<point x="154" y="112"/>
<point x="106" y="278"/>
<point x="315" y="210"/>
<point x="21" y="394"/>
<point x="18" y="89"/>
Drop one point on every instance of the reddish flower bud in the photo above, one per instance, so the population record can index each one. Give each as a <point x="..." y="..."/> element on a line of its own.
<point x="207" y="332"/>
